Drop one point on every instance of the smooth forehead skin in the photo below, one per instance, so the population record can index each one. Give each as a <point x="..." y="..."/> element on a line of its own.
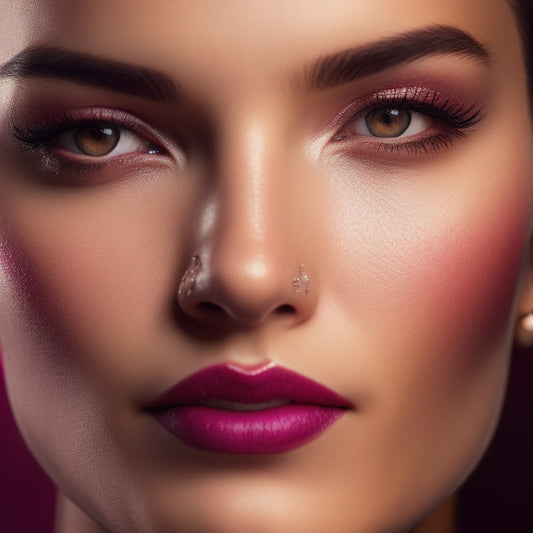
<point x="419" y="262"/>
<point x="287" y="36"/>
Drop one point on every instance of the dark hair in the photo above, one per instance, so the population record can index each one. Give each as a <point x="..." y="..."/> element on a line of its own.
<point x="523" y="10"/>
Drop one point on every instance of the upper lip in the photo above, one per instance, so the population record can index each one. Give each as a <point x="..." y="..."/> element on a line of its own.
<point x="237" y="384"/>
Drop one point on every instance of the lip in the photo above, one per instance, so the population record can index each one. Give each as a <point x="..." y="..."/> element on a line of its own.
<point x="277" y="410"/>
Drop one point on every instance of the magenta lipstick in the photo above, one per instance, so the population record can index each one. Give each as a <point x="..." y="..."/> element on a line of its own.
<point x="229" y="409"/>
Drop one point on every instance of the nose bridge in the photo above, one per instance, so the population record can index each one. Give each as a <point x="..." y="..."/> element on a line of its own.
<point x="251" y="191"/>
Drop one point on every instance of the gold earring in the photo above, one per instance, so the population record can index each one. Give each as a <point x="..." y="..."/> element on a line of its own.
<point x="524" y="333"/>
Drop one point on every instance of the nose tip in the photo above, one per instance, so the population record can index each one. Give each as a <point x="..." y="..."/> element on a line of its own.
<point x="247" y="293"/>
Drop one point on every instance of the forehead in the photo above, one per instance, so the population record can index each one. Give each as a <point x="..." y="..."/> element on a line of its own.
<point x="277" y="32"/>
<point x="246" y="46"/>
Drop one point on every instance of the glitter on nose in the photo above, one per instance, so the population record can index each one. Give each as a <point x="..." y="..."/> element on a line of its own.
<point x="188" y="281"/>
<point x="301" y="282"/>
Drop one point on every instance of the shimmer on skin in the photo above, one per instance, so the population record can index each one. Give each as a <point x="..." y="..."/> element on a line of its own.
<point x="416" y="249"/>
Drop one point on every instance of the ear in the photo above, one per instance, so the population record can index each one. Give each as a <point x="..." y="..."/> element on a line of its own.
<point x="524" y="320"/>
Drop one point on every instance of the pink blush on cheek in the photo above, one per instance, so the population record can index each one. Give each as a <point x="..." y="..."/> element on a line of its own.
<point x="473" y="274"/>
<point x="18" y="290"/>
<point x="10" y="263"/>
<point x="30" y="311"/>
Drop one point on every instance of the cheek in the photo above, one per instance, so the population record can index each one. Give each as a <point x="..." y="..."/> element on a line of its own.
<point x="72" y="264"/>
<point x="78" y="262"/>
<point x="72" y="274"/>
<point x="471" y="281"/>
<point x="429" y="272"/>
<point x="463" y="283"/>
<point x="427" y="276"/>
<point x="435" y="261"/>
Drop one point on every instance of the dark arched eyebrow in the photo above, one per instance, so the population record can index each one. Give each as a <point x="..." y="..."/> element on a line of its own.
<point x="329" y="71"/>
<point x="350" y="65"/>
<point x="89" y="69"/>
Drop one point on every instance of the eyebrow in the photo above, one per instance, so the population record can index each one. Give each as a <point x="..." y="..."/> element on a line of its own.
<point x="89" y="69"/>
<point x="355" y="63"/>
<point x="326" y="72"/>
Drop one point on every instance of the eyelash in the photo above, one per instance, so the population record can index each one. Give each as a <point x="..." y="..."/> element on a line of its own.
<point x="39" y="139"/>
<point x="454" y="118"/>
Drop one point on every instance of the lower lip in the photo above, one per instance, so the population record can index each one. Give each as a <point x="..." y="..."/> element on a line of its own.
<point x="268" y="431"/>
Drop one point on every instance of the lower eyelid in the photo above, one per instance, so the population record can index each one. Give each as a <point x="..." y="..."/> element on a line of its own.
<point x="74" y="171"/>
<point x="411" y="148"/>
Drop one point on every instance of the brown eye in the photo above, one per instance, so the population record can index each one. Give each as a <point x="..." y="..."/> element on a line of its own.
<point x="388" y="122"/>
<point x="96" y="140"/>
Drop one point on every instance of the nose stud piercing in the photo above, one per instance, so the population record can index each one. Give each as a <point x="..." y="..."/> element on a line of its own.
<point x="188" y="281"/>
<point x="301" y="282"/>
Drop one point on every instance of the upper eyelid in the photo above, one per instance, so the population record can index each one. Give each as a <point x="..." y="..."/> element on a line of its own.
<point x="51" y="127"/>
<point x="72" y="119"/>
<point x="387" y="97"/>
<point x="418" y="99"/>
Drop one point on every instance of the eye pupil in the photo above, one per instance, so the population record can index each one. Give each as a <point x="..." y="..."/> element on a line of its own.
<point x="97" y="140"/>
<point x="388" y="122"/>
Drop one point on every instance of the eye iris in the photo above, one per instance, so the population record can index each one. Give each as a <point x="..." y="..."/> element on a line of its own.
<point x="388" y="122"/>
<point x="97" y="140"/>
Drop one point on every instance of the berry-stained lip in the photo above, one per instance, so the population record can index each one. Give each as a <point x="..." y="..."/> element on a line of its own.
<point x="230" y="409"/>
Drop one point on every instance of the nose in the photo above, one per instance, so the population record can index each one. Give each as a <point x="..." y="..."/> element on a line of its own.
<point x="251" y="265"/>
<point x="248" y="293"/>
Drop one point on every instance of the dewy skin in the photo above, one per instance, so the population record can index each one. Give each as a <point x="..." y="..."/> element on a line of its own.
<point x="261" y="262"/>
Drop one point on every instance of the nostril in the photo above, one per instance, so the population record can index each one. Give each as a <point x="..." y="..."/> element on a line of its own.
<point x="210" y="307"/>
<point x="285" y="309"/>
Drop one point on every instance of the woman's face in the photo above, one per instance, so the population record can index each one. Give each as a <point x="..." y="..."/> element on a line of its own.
<point x="396" y="177"/>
